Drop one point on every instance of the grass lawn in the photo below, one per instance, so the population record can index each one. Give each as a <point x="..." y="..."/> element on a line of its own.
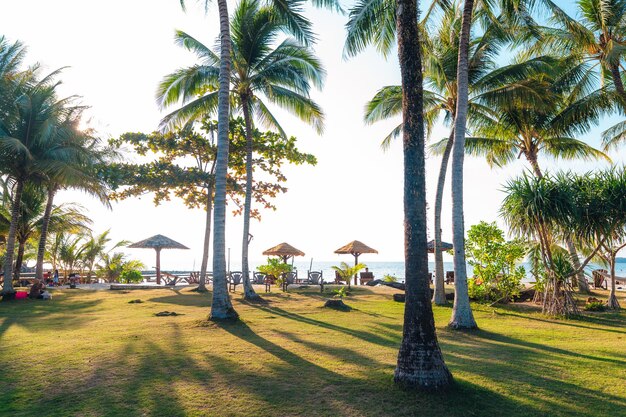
<point x="91" y="353"/>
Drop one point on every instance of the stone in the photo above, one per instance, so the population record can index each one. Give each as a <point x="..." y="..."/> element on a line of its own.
<point x="337" y="304"/>
<point x="400" y="298"/>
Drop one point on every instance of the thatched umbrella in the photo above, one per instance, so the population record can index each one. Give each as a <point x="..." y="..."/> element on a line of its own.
<point x="158" y="242"/>
<point x="284" y="251"/>
<point x="355" y="248"/>
<point x="444" y="246"/>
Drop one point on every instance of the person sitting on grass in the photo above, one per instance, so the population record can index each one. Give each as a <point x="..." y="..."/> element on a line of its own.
<point x="35" y="290"/>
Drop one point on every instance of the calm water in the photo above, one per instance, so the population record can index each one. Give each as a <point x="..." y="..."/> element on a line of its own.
<point x="396" y="269"/>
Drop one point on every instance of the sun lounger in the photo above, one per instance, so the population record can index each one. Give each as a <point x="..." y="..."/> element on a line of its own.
<point x="366" y="277"/>
<point x="599" y="278"/>
<point x="194" y="278"/>
<point x="170" y="279"/>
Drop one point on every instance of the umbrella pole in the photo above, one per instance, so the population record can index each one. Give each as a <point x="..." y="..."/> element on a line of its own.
<point x="356" y="262"/>
<point x="158" y="266"/>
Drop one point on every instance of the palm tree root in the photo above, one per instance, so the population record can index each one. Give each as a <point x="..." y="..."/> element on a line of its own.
<point x="613" y="304"/>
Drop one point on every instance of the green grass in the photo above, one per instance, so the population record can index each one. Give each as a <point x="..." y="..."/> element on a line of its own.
<point x="94" y="354"/>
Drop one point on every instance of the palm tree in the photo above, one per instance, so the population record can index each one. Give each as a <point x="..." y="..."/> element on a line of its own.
<point x="283" y="75"/>
<point x="77" y="154"/>
<point x="440" y="51"/>
<point x="94" y="249"/>
<point x="31" y="219"/>
<point x="531" y="98"/>
<point x="289" y="12"/>
<point x="420" y="362"/>
<point x="27" y="135"/>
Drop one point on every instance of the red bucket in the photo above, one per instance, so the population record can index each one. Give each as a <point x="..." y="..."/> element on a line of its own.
<point x="21" y="295"/>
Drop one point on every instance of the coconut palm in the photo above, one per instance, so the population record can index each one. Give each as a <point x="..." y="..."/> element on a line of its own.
<point x="262" y="74"/>
<point x="531" y="98"/>
<point x="29" y="149"/>
<point x="420" y="362"/>
<point x="93" y="250"/>
<point x="77" y="154"/>
<point x="440" y="51"/>
<point x="31" y="219"/>
<point x="289" y="13"/>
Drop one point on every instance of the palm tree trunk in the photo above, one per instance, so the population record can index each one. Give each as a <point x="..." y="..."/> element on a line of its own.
<point x="534" y="163"/>
<point x="41" y="249"/>
<point x="221" y="307"/>
<point x="617" y="81"/>
<point x="439" y="293"/>
<point x="248" y="290"/>
<point x="462" y="316"/>
<point x="420" y="362"/>
<point x="583" y="286"/>
<point x="19" y="259"/>
<point x="613" y="303"/>
<point x="7" y="289"/>
<point x="207" y="240"/>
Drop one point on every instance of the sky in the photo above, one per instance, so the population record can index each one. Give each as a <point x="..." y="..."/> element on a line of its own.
<point x="117" y="51"/>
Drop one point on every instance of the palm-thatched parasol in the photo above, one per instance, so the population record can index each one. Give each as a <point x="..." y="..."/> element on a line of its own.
<point x="284" y="251"/>
<point x="158" y="242"/>
<point x="444" y="246"/>
<point x="355" y="248"/>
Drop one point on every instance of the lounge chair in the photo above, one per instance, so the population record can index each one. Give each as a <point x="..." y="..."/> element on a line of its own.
<point x="338" y="278"/>
<point x="288" y="279"/>
<point x="315" y="278"/>
<point x="449" y="277"/>
<point x="170" y="279"/>
<point x="599" y="278"/>
<point x="234" y="279"/>
<point x="194" y="278"/>
<point x="366" y="277"/>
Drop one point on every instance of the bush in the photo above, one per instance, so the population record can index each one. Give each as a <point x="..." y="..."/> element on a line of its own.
<point x="130" y="276"/>
<point x="275" y="267"/>
<point x="494" y="260"/>
<point x="390" y="278"/>
<point x="595" y="306"/>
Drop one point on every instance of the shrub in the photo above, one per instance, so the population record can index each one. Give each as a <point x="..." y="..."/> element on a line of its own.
<point x="346" y="272"/>
<point x="494" y="260"/>
<point x="390" y="278"/>
<point x="275" y="267"/>
<point x="341" y="292"/>
<point x="129" y="276"/>
<point x="595" y="306"/>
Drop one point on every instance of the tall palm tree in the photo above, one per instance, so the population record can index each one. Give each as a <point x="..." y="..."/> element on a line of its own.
<point x="420" y="362"/>
<point x="440" y="51"/>
<point x="222" y="308"/>
<point x="261" y="74"/>
<point x="531" y="99"/>
<point x="27" y="134"/>
<point x="77" y="154"/>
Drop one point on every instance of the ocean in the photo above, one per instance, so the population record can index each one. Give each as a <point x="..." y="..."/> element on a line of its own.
<point x="380" y="269"/>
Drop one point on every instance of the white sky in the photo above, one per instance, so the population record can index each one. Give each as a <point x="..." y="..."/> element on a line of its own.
<point x="117" y="51"/>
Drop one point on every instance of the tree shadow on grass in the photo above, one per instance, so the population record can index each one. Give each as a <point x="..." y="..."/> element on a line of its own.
<point x="187" y="298"/>
<point x="58" y="313"/>
<point x="613" y="321"/>
<point x="361" y="334"/>
<point x="534" y="374"/>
